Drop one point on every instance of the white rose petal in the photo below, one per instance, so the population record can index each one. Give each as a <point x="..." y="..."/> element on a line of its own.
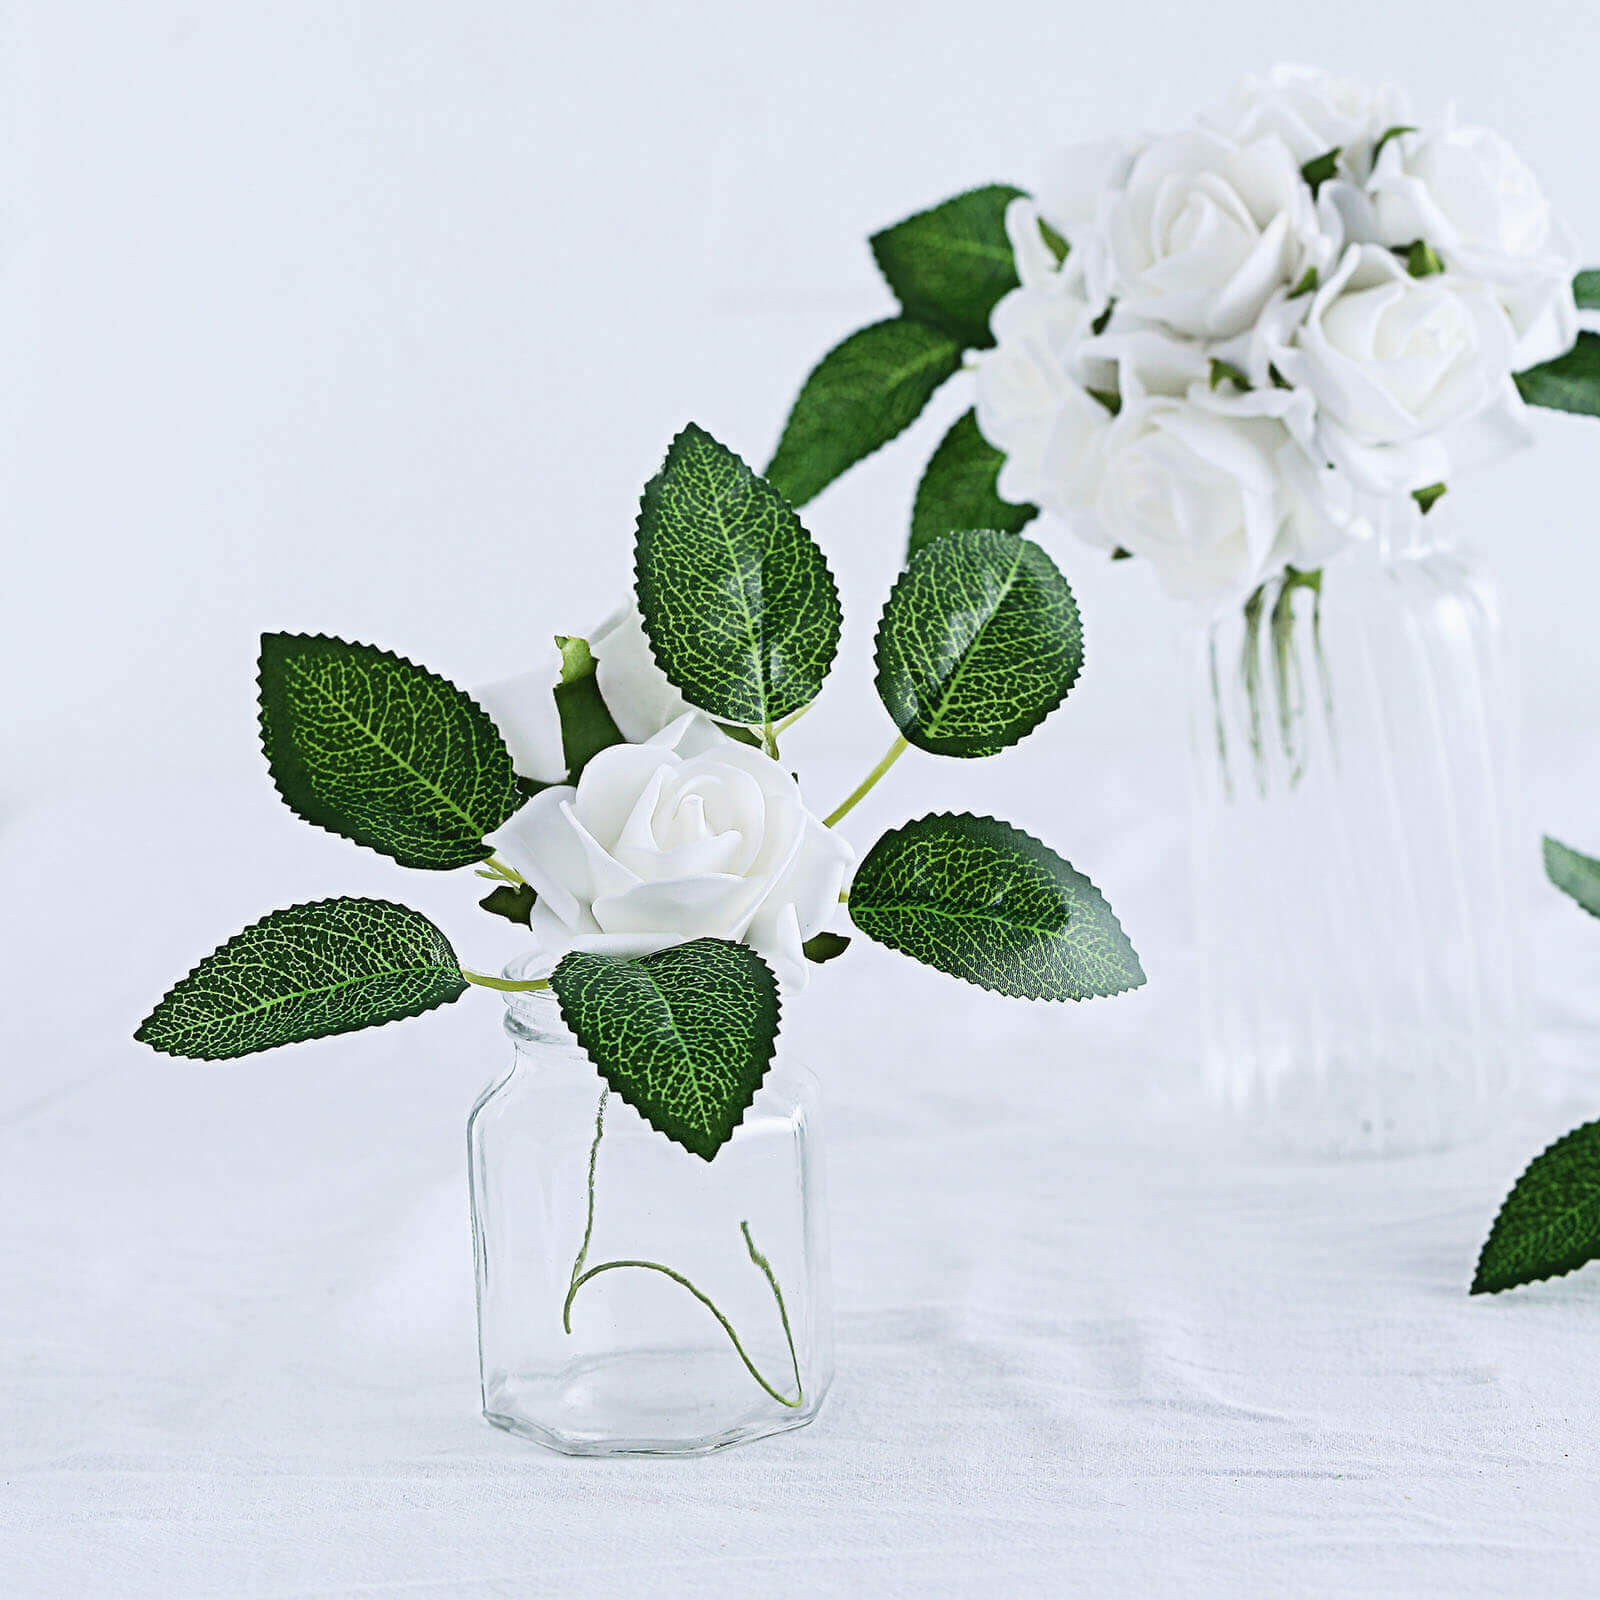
<point x="1207" y="230"/>
<point x="1480" y="208"/>
<point x="1399" y="367"/>
<point x="524" y="710"/>
<point x="636" y="691"/>
<point x="688" y="835"/>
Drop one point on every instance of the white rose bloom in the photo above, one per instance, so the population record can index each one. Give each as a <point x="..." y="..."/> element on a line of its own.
<point x="1216" y="502"/>
<point x="1480" y="208"/>
<point x="636" y="692"/>
<point x="1312" y="112"/>
<point x="1411" y="375"/>
<point x="1206" y="230"/>
<point x="685" y="836"/>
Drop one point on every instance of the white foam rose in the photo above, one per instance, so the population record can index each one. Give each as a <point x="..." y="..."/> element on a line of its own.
<point x="1205" y="231"/>
<point x="1216" y="502"/>
<point x="636" y="691"/>
<point x="1480" y="208"/>
<point x="685" y="836"/>
<point x="1312" y="112"/>
<point x="1411" y="376"/>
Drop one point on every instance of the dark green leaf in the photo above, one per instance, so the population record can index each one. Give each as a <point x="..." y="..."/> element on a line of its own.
<point x="1550" y="1222"/>
<point x="1386" y="136"/>
<point x="1421" y="262"/>
<point x="858" y="397"/>
<point x="738" y="603"/>
<point x="1058" y="246"/>
<point x="1103" y="321"/>
<point x="1574" y="874"/>
<point x="685" y="1036"/>
<point x="312" y="970"/>
<point x="988" y="903"/>
<point x="958" y="489"/>
<point x="1319" y="170"/>
<point x="1109" y="398"/>
<point x="587" y="726"/>
<point x="1226" y="369"/>
<point x="513" y="901"/>
<point x="979" y="643"/>
<point x="368" y="745"/>
<point x="1586" y="290"/>
<point x="949" y="266"/>
<point x="825" y="946"/>
<point x="1571" y="382"/>
<point x="1428" y="497"/>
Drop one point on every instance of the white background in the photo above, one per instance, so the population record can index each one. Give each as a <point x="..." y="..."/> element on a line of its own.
<point x="373" y="319"/>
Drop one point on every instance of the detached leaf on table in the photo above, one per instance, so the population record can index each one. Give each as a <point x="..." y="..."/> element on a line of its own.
<point x="1550" y="1222"/>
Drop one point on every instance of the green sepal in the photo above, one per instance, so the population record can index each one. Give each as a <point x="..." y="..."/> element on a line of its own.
<point x="1109" y="398"/>
<point x="1428" y="497"/>
<point x="685" y="1036"/>
<point x="1121" y="554"/>
<point x="821" y="947"/>
<point x="587" y="726"/>
<point x="739" y="606"/>
<point x="1388" y="134"/>
<point x="1421" y="262"/>
<point x="1103" y="321"/>
<point x="959" y="488"/>
<point x="373" y="747"/>
<point x="950" y="265"/>
<point x="1321" y="168"/>
<point x="992" y="905"/>
<point x="513" y="901"/>
<point x="1586" y="290"/>
<point x="327" y="967"/>
<point x="1571" y="382"/>
<point x="1309" y="280"/>
<point x="861" y="394"/>
<point x="1549" y="1224"/>
<point x="1057" y="246"/>
<point x="1226" y="369"/>
<point x="1574" y="874"/>
<point x="979" y="642"/>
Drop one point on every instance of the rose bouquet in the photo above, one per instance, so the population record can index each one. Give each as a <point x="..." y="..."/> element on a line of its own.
<point x="635" y="817"/>
<point x="1220" y="350"/>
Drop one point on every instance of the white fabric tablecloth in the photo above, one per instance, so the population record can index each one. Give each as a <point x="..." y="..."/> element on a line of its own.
<point x="1087" y="1341"/>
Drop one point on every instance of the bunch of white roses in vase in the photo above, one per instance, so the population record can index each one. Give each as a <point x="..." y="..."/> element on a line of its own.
<point x="1231" y="344"/>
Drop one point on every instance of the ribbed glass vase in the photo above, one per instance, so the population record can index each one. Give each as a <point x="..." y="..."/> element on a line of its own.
<point x="1358" y="909"/>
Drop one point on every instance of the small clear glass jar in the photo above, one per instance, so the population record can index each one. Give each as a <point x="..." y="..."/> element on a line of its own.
<point x="1358" y="902"/>
<point x="634" y="1299"/>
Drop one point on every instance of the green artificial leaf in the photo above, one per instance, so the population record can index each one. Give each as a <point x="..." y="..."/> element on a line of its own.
<point x="513" y="901"/>
<point x="958" y="490"/>
<point x="1109" y="398"/>
<point x="980" y="641"/>
<point x="1226" y="369"/>
<point x="822" y="947"/>
<point x="1571" y="382"/>
<point x="1429" y="496"/>
<point x="587" y="726"/>
<point x="859" y="396"/>
<point x="1103" y="321"/>
<point x="1586" y="290"/>
<point x="1309" y="280"/>
<point x="1550" y="1222"/>
<point x="949" y="266"/>
<point x="1058" y="246"/>
<point x="1574" y="874"/>
<point x="1386" y="136"/>
<point x="738" y="603"/>
<point x="1119" y="554"/>
<point x="1421" y="262"/>
<point x="368" y="745"/>
<point x="1318" y="171"/>
<point x="685" y="1036"/>
<point x="328" y="967"/>
<point x="989" y="903"/>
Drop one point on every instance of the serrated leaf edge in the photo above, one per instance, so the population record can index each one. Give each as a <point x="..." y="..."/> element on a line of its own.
<point x="1478" y="1285"/>
<point x="1032" y="1000"/>
<point x="1048" y="712"/>
<point x="392" y="655"/>
<point x="250" y="927"/>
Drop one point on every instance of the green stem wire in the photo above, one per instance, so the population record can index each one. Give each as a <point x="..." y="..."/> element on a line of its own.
<point x="505" y="985"/>
<point x="580" y="1276"/>
<point x="864" y="788"/>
